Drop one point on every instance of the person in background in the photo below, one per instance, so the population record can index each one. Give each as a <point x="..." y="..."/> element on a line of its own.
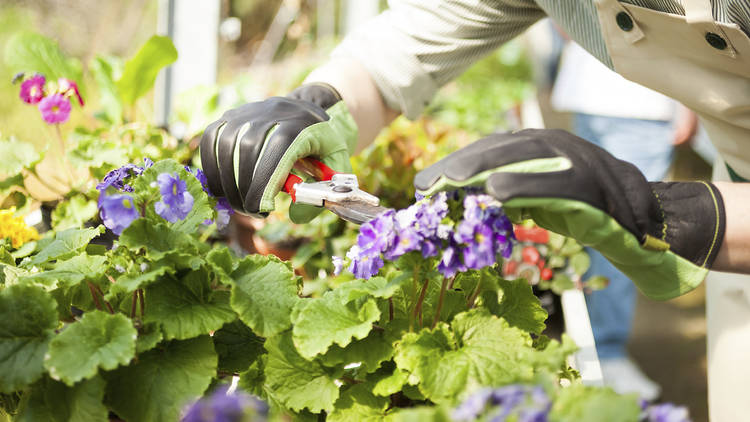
<point x="642" y="127"/>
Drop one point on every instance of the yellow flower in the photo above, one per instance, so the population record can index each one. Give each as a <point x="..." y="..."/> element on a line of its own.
<point x="15" y="229"/>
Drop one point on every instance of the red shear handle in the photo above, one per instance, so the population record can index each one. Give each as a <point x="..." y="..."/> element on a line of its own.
<point x="309" y="166"/>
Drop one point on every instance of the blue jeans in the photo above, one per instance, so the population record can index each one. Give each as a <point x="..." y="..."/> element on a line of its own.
<point x="648" y="145"/>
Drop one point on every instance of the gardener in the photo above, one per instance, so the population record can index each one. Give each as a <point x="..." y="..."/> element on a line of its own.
<point x="664" y="236"/>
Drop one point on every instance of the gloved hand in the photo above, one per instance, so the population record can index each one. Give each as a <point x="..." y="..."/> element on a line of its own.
<point x="248" y="153"/>
<point x="664" y="236"/>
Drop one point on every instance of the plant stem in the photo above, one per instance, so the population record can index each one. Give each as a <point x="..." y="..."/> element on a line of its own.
<point x="142" y="302"/>
<point x="440" y="303"/>
<point x="474" y="295"/>
<point x="450" y="283"/>
<point x="109" y="307"/>
<point x="390" y="309"/>
<point x="94" y="296"/>
<point x="133" y="304"/>
<point x="418" y="309"/>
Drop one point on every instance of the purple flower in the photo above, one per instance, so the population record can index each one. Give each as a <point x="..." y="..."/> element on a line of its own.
<point x="377" y="235"/>
<point x="32" y="89"/>
<point x="198" y="173"/>
<point x="55" y="109"/>
<point x="224" y="407"/>
<point x="473" y="406"/>
<point x="338" y="264"/>
<point x="117" y="211"/>
<point x="116" y="178"/>
<point x="668" y="412"/>
<point x="223" y="212"/>
<point x="533" y="415"/>
<point x="479" y="251"/>
<point x="450" y="262"/>
<point x="363" y="264"/>
<point x="176" y="201"/>
<point x="68" y="87"/>
<point x="147" y="163"/>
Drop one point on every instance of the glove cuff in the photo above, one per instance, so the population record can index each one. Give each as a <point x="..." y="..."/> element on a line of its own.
<point x="318" y="93"/>
<point x="693" y="219"/>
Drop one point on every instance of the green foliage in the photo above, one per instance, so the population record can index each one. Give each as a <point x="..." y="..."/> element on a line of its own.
<point x="30" y="52"/>
<point x="55" y="402"/>
<point x="74" y="213"/>
<point x="578" y="403"/>
<point x="140" y="72"/>
<point x="27" y="318"/>
<point x="109" y="343"/>
<point x="17" y="155"/>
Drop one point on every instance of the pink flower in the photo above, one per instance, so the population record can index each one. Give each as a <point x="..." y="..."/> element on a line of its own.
<point x="32" y="89"/>
<point x="55" y="108"/>
<point x="68" y="87"/>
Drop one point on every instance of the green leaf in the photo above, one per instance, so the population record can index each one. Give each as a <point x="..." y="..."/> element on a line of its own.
<point x="128" y="283"/>
<point x="140" y="72"/>
<point x="478" y="349"/>
<point x="68" y="273"/>
<point x="391" y="384"/>
<point x="223" y="263"/>
<point x="357" y="403"/>
<point x="597" y="282"/>
<point x="94" y="152"/>
<point x="561" y="283"/>
<point x="148" y="337"/>
<point x="161" y="242"/>
<point x="55" y="402"/>
<point x="420" y="414"/>
<point x="578" y="403"/>
<point x="157" y="387"/>
<point x="98" y="340"/>
<point x="28" y="316"/>
<point x="370" y="351"/>
<point x="520" y="307"/>
<point x="30" y="52"/>
<point x="66" y="244"/>
<point x="6" y="258"/>
<point x="264" y="294"/>
<point x="296" y="382"/>
<point x="319" y="323"/>
<point x="74" y="213"/>
<point x="580" y="262"/>
<point x="105" y="71"/>
<point x="188" y="307"/>
<point x="17" y="156"/>
<point x="237" y="346"/>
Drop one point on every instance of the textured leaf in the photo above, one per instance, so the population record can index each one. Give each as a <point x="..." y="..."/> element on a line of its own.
<point x="520" y="307"/>
<point x="159" y="240"/>
<point x="94" y="152"/>
<point x="28" y="316"/>
<point x="296" y="382"/>
<point x="319" y="323"/>
<point x="187" y="308"/>
<point x="30" y="52"/>
<point x="128" y="283"/>
<point x="377" y="347"/>
<point x="66" y="244"/>
<point x="98" y="340"/>
<point x="17" y="155"/>
<point x="237" y="346"/>
<point x="578" y="403"/>
<point x="53" y="401"/>
<point x="358" y="404"/>
<point x="105" y="71"/>
<point x="391" y="384"/>
<point x="420" y="414"/>
<point x="223" y="263"/>
<point x="377" y="287"/>
<point x="69" y="272"/>
<point x="163" y="380"/>
<point x="478" y="349"/>
<point x="264" y="294"/>
<point x="140" y="72"/>
<point x="148" y="337"/>
<point x="73" y="213"/>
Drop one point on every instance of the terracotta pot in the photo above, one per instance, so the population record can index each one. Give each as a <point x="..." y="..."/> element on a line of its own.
<point x="243" y="233"/>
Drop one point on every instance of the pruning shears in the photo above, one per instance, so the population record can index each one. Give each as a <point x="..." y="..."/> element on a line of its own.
<point x="337" y="192"/>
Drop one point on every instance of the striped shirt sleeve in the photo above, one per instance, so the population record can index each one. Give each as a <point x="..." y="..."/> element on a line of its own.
<point x="415" y="47"/>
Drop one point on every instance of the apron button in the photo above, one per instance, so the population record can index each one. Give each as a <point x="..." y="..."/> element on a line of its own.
<point x="716" y="41"/>
<point x="624" y="21"/>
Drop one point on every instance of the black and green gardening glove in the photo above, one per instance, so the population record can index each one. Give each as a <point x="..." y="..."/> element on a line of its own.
<point x="664" y="236"/>
<point x="248" y="153"/>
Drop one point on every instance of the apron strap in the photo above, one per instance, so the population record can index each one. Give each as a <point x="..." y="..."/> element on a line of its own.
<point x="611" y="9"/>
<point x="699" y="14"/>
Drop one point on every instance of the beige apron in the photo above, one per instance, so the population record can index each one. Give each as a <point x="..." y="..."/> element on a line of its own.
<point x="706" y="66"/>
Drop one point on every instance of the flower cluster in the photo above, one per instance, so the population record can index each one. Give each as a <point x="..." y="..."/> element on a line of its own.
<point x="118" y="209"/>
<point x="528" y="404"/>
<point x="15" y="229"/>
<point x="52" y="98"/>
<point x="223" y="406"/>
<point x="483" y="233"/>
